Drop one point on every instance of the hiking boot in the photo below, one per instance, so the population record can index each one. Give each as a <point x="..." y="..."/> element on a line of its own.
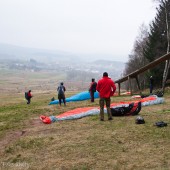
<point x="110" y="118"/>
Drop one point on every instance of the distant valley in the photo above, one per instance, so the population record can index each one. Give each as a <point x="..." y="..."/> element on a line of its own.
<point x="75" y="67"/>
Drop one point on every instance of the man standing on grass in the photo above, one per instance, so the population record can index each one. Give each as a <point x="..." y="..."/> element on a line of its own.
<point x="92" y="89"/>
<point x="106" y="88"/>
<point x="61" y="93"/>
<point x="151" y="84"/>
<point x="28" y="96"/>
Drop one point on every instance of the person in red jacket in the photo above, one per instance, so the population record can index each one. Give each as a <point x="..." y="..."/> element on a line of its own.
<point x="106" y="88"/>
<point x="29" y="96"/>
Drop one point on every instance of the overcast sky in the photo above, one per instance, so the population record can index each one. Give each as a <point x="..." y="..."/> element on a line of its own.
<point x="78" y="26"/>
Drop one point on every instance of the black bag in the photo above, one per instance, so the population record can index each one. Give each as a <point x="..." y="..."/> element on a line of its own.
<point x="119" y="111"/>
<point x="132" y="109"/>
<point x="94" y="85"/>
<point x="26" y="95"/>
<point x="61" y="90"/>
<point x="52" y="99"/>
<point x="160" y="124"/>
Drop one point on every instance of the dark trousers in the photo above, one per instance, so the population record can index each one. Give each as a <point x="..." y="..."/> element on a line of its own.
<point x="102" y="101"/>
<point x="61" y="97"/>
<point x="92" y="96"/>
<point x="151" y="88"/>
<point x="28" y="100"/>
<point x="60" y="101"/>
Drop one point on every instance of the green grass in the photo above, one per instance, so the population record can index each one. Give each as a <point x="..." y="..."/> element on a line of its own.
<point x="81" y="144"/>
<point x="86" y="143"/>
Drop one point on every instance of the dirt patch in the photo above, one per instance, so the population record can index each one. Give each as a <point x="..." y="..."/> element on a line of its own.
<point x="12" y="136"/>
<point x="9" y="138"/>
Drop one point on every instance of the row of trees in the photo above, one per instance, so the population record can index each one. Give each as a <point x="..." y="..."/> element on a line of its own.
<point x="152" y="43"/>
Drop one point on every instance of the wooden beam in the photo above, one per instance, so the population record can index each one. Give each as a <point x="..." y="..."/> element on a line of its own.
<point x="143" y="69"/>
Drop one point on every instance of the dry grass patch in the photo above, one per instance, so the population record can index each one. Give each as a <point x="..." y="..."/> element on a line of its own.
<point x="90" y="144"/>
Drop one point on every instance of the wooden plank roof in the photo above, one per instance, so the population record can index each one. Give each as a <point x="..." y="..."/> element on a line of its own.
<point x="143" y="69"/>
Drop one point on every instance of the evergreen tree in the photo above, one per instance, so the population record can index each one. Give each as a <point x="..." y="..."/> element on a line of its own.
<point x="152" y="45"/>
<point x="157" y="41"/>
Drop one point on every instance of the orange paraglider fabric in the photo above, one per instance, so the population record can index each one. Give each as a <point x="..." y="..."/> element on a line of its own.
<point x="82" y="112"/>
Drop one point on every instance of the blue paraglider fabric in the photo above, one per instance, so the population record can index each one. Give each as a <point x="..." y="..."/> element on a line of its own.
<point x="78" y="97"/>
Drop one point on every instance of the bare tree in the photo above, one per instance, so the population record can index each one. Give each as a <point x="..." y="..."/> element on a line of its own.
<point x="136" y="58"/>
<point x="167" y="64"/>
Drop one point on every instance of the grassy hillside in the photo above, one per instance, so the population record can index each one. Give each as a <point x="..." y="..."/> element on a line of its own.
<point x="87" y="143"/>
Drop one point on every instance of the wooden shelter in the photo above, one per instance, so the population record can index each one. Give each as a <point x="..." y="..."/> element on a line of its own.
<point x="141" y="70"/>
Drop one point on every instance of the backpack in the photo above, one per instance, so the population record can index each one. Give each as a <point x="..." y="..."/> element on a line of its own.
<point x="26" y="95"/>
<point x="52" y="99"/>
<point x="94" y="85"/>
<point x="61" y="89"/>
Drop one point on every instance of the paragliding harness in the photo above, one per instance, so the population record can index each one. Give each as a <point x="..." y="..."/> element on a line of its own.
<point x="94" y="85"/>
<point x="159" y="93"/>
<point x="61" y="90"/>
<point x="132" y="109"/>
<point x="52" y="99"/>
<point x="26" y="95"/>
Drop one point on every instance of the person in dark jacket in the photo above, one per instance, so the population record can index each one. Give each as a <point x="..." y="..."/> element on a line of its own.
<point x="29" y="96"/>
<point x="61" y="93"/>
<point x="106" y="88"/>
<point x="92" y="89"/>
<point x="151" y="84"/>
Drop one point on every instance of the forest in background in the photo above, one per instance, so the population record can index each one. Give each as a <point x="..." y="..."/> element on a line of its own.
<point x="150" y="44"/>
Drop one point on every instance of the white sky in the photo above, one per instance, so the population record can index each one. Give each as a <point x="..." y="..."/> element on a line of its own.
<point x="77" y="26"/>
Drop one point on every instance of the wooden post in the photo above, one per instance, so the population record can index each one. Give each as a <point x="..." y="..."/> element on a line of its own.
<point x="130" y="85"/>
<point x="119" y="89"/>
<point x="167" y="64"/>
<point x="165" y="74"/>
<point x="137" y="80"/>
